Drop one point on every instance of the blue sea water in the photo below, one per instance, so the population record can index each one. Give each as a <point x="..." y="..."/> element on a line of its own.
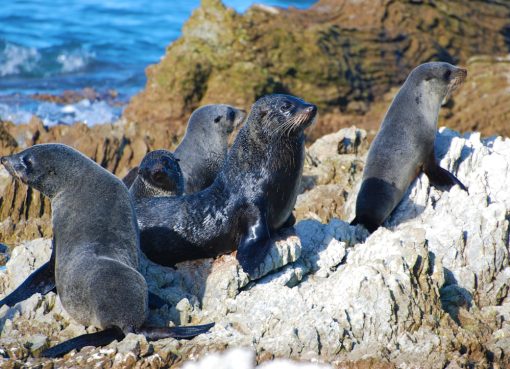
<point x="49" y="46"/>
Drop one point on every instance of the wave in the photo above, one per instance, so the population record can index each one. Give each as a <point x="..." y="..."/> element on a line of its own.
<point x="23" y="61"/>
<point x="85" y="111"/>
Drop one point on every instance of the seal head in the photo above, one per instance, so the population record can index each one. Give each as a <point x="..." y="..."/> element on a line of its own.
<point x="159" y="174"/>
<point x="205" y="144"/>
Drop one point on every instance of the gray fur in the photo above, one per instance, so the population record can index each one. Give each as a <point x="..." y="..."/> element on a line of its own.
<point x="404" y="145"/>
<point x="159" y="175"/>
<point x="96" y="236"/>
<point x="205" y="144"/>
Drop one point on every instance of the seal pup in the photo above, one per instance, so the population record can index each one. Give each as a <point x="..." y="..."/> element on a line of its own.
<point x="95" y="261"/>
<point x="204" y="147"/>
<point x="404" y="145"/>
<point x="252" y="196"/>
<point x="159" y="174"/>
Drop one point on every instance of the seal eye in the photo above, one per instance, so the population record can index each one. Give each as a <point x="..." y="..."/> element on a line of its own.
<point x="447" y="74"/>
<point x="217" y="119"/>
<point x="231" y="115"/>
<point x="285" y="107"/>
<point x="27" y="161"/>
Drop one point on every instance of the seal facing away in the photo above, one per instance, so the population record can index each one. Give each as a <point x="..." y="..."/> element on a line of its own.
<point x="159" y="174"/>
<point x="252" y="196"/>
<point x="204" y="147"/>
<point x="404" y="145"/>
<point x="96" y="245"/>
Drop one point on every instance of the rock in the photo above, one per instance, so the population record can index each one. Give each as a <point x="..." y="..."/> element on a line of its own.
<point x="245" y="359"/>
<point x="324" y="54"/>
<point x="428" y="290"/>
<point x="334" y="164"/>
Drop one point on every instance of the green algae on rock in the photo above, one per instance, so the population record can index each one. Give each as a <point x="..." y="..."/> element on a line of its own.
<point x="339" y="54"/>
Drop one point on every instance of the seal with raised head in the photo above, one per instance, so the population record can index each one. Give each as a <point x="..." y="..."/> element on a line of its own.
<point x="96" y="245"/>
<point x="204" y="147"/>
<point x="159" y="174"/>
<point x="404" y="145"/>
<point x="252" y="196"/>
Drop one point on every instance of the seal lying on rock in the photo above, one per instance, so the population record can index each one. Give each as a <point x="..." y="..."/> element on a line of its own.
<point x="96" y="246"/>
<point x="159" y="174"/>
<point x="252" y="196"/>
<point x="404" y="145"/>
<point x="204" y="147"/>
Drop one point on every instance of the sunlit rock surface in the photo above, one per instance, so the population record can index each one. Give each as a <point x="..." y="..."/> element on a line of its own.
<point x="429" y="289"/>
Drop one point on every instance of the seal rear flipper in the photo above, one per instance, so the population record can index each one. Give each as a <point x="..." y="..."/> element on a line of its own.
<point x="440" y="177"/>
<point x="180" y="333"/>
<point x="254" y="245"/>
<point x="40" y="281"/>
<point x="101" y="338"/>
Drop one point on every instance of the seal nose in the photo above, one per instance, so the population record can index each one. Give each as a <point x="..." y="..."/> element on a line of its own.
<point x="311" y="109"/>
<point x="3" y="160"/>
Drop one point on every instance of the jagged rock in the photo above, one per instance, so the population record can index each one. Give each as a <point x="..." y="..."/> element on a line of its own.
<point x="324" y="54"/>
<point x="428" y="290"/>
<point x="334" y="163"/>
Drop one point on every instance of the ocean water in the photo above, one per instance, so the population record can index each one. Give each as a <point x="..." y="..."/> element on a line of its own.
<point x="50" y="46"/>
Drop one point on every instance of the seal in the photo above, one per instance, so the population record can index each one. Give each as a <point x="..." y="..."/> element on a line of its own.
<point x="159" y="174"/>
<point x="404" y="145"/>
<point x="252" y="196"/>
<point x="205" y="144"/>
<point x="95" y="261"/>
<point x="204" y="147"/>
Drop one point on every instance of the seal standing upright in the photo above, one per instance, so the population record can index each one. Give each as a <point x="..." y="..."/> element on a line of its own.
<point x="159" y="174"/>
<point x="204" y="147"/>
<point x="96" y="245"/>
<point x="252" y="196"/>
<point x="404" y="145"/>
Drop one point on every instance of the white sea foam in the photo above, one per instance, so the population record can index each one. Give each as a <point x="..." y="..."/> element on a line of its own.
<point x="14" y="114"/>
<point x="15" y="59"/>
<point x="74" y="61"/>
<point x="90" y="113"/>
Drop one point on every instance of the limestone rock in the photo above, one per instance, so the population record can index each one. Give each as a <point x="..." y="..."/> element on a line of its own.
<point x="429" y="289"/>
<point x="334" y="163"/>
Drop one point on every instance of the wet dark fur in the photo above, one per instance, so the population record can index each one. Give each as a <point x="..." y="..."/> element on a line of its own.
<point x="95" y="258"/>
<point x="252" y="196"/>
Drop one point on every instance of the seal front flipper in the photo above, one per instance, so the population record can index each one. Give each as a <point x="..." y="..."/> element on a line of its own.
<point x="255" y="243"/>
<point x="41" y="281"/>
<point x="291" y="220"/>
<point x="440" y="177"/>
<point x="182" y="332"/>
<point x="101" y="338"/>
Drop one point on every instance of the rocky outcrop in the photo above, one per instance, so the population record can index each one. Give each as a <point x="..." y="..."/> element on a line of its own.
<point x="428" y="290"/>
<point x="24" y="213"/>
<point x="340" y="54"/>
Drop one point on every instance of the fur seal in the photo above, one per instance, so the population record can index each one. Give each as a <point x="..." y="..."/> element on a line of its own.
<point x="404" y="145"/>
<point x="95" y="261"/>
<point x="159" y="174"/>
<point x="252" y="196"/>
<point x="204" y="147"/>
